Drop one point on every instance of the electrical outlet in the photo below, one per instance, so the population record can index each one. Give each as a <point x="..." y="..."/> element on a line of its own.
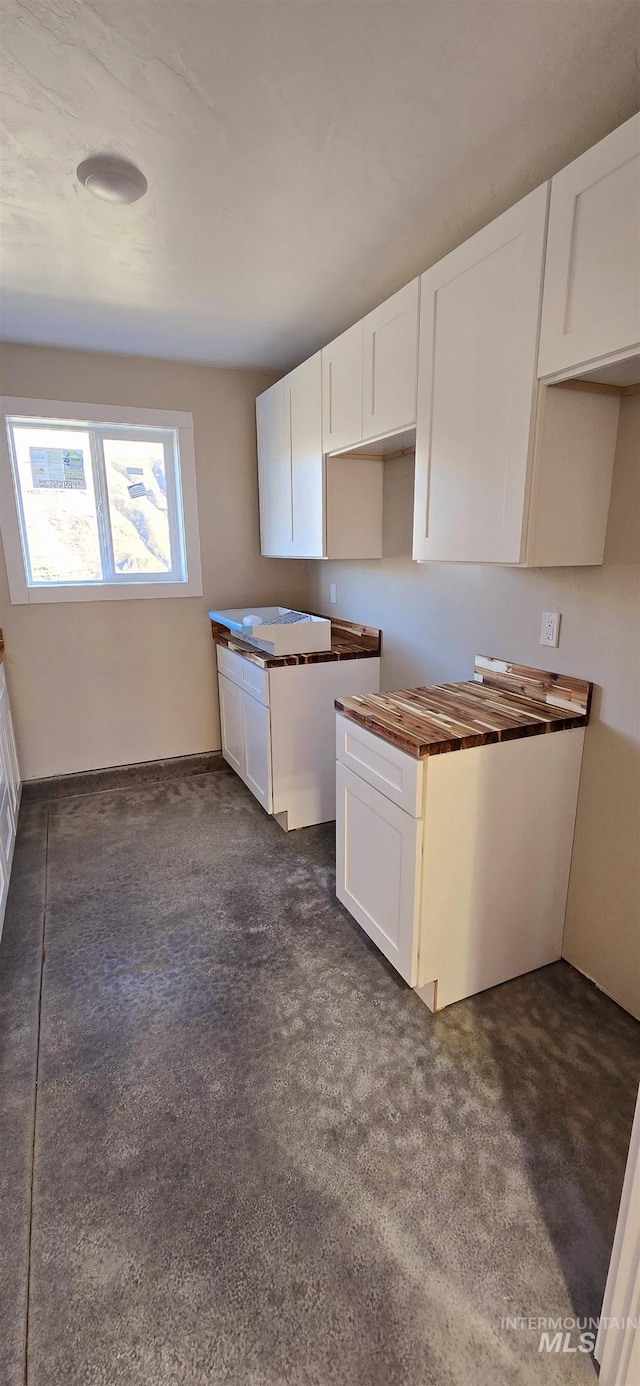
<point x="550" y="631"/>
<point x="333" y="591"/>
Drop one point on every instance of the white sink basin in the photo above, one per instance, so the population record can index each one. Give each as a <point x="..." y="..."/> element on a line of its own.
<point x="277" y="629"/>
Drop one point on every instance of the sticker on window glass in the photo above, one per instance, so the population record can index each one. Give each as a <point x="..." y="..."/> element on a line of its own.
<point x="59" y="469"/>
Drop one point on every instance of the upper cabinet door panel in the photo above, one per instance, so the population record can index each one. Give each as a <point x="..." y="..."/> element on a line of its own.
<point x="342" y="391"/>
<point x="303" y="435"/>
<point x="480" y="310"/>
<point x="390" y="353"/>
<point x="591" y="305"/>
<point x="274" y="474"/>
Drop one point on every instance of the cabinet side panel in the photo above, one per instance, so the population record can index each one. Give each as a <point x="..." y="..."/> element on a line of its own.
<point x="354" y="507"/>
<point x="498" y="836"/>
<point x="573" y="467"/>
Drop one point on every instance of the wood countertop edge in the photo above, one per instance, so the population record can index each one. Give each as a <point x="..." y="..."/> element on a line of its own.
<point x="421" y="749"/>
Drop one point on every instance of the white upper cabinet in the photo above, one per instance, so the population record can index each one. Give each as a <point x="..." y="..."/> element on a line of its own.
<point x="591" y="305"/>
<point x="390" y="364"/>
<point x="369" y="374"/>
<point x="274" y="475"/>
<point x="479" y="318"/>
<point x="342" y="390"/>
<point x="311" y="507"/>
<point x="303" y="448"/>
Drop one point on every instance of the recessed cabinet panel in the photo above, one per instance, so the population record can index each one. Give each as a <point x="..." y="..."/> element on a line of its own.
<point x="342" y="390"/>
<point x="7" y="824"/>
<point x="390" y="353"/>
<point x="274" y="475"/>
<point x="478" y="342"/>
<point x="231" y="726"/>
<point x="246" y="738"/>
<point x="591" y="306"/>
<point x="378" y="869"/>
<point x="257" y="743"/>
<point x="303" y="436"/>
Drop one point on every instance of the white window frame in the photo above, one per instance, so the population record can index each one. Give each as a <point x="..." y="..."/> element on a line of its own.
<point x="102" y="418"/>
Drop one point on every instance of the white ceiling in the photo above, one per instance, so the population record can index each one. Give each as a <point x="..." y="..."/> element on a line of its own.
<point x="304" y="157"/>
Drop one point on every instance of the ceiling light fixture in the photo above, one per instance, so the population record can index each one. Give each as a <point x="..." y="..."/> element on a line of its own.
<point x="111" y="179"/>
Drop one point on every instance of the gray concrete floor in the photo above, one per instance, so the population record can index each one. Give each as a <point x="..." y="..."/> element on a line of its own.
<point x="237" y="1149"/>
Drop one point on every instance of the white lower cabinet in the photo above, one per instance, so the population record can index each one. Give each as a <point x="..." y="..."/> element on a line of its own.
<point x="10" y="789"/>
<point x="278" y="730"/>
<point x="465" y="886"/>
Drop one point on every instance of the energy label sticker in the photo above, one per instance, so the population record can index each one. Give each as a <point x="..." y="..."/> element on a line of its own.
<point x="59" y="469"/>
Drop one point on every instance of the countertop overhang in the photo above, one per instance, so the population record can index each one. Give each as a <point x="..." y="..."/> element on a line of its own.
<point x="502" y="702"/>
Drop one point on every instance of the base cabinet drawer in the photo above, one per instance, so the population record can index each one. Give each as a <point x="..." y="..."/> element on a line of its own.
<point x="378" y="861"/>
<point x="397" y="775"/>
<point x="244" y="673"/>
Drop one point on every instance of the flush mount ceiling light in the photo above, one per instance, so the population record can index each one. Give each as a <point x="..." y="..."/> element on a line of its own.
<point x="111" y="179"/>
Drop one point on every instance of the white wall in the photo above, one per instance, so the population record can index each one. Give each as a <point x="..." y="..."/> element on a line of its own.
<point x="109" y="683"/>
<point x="435" y="617"/>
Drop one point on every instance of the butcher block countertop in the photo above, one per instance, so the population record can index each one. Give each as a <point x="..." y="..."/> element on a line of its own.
<point x="502" y="702"/>
<point x="348" y="641"/>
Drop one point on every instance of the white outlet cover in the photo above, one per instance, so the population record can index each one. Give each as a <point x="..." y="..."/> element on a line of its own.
<point x="333" y="592"/>
<point x="550" y="628"/>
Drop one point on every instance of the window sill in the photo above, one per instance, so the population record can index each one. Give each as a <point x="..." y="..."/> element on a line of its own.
<point x="122" y="591"/>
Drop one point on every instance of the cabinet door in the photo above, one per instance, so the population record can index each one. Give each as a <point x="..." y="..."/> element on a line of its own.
<point x="342" y="390"/>
<point x="591" y="305"/>
<point x="390" y="356"/>
<point x="4" y="886"/>
<point x="303" y="434"/>
<point x="378" y="859"/>
<point x="479" y="317"/>
<point x="256" y="723"/>
<point x="8" y="756"/>
<point x="231" y="723"/>
<point x="274" y="474"/>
